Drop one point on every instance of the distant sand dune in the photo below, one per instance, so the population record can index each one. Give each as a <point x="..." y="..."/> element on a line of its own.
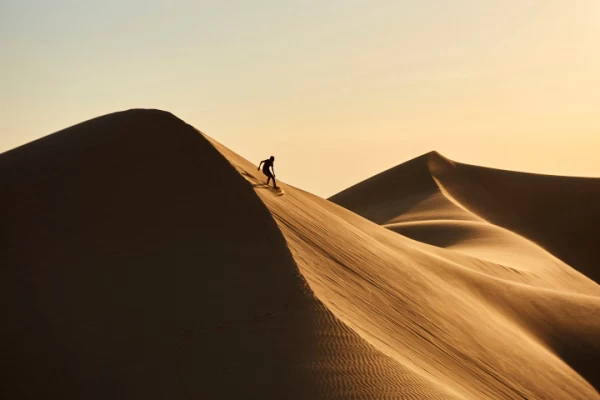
<point x="145" y="260"/>
<point x="561" y="214"/>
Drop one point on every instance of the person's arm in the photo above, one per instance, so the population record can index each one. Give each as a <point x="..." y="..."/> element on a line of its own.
<point x="261" y="163"/>
<point x="273" y="169"/>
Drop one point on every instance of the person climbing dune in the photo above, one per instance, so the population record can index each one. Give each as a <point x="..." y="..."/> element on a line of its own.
<point x="267" y="167"/>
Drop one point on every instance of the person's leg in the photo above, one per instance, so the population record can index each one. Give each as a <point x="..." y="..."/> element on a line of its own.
<point x="274" y="183"/>
<point x="270" y="176"/>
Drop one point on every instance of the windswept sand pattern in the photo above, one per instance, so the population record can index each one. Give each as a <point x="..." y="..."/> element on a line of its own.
<point x="144" y="260"/>
<point x="480" y="327"/>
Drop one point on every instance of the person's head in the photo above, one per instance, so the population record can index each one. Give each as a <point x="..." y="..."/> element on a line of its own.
<point x="272" y="158"/>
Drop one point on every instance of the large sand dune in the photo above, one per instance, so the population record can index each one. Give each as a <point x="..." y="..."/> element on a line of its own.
<point x="142" y="259"/>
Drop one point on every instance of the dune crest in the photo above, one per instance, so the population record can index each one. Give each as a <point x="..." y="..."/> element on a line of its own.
<point x="468" y="324"/>
<point x="559" y="214"/>
<point x="147" y="260"/>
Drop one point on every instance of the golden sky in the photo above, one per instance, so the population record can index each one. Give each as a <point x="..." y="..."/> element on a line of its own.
<point x="337" y="91"/>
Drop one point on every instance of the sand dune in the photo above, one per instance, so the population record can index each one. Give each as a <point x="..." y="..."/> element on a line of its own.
<point x="560" y="214"/>
<point x="145" y="260"/>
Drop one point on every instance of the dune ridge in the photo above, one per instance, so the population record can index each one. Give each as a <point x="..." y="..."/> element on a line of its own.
<point x="353" y="266"/>
<point x="558" y="213"/>
<point x="146" y="259"/>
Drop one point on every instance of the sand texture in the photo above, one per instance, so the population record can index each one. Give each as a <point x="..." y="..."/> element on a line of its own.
<point x="143" y="260"/>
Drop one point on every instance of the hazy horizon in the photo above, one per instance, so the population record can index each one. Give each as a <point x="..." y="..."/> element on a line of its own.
<point x="337" y="92"/>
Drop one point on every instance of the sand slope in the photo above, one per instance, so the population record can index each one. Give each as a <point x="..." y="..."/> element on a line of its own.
<point x="144" y="260"/>
<point x="476" y="328"/>
<point x="560" y="214"/>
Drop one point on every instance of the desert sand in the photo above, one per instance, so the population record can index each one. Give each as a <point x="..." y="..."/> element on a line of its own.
<point x="142" y="259"/>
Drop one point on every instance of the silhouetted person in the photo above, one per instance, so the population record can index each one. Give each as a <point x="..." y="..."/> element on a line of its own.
<point x="268" y="165"/>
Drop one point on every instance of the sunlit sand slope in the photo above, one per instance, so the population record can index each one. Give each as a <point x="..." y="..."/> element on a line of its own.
<point x="473" y="327"/>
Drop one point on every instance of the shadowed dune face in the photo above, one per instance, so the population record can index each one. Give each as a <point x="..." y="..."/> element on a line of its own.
<point x="481" y="240"/>
<point x="144" y="260"/>
<point x="393" y="200"/>
<point x="137" y="263"/>
<point x="122" y="275"/>
<point x="559" y="213"/>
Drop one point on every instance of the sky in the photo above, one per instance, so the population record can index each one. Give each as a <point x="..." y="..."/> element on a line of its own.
<point x="336" y="90"/>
